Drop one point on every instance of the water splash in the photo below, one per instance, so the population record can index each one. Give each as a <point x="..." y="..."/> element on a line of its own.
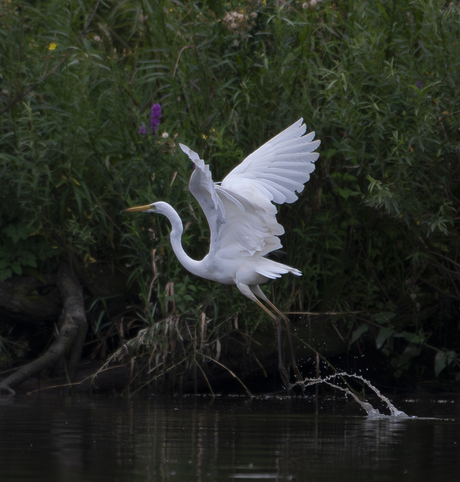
<point x="370" y="410"/>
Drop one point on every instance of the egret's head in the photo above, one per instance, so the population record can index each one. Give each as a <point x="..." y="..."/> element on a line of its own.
<point x="159" y="207"/>
<point x="146" y="208"/>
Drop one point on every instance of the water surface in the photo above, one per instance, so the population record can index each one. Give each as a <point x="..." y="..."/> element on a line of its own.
<point x="195" y="439"/>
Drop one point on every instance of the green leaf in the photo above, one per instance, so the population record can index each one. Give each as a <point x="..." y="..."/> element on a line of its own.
<point x="410" y="337"/>
<point x="440" y="362"/>
<point x="410" y="352"/>
<point x="345" y="193"/>
<point x="349" y="177"/>
<point x="5" y="274"/>
<point x="442" y="359"/>
<point x="383" y="317"/>
<point x="359" y="332"/>
<point x="382" y="337"/>
<point x="16" y="232"/>
<point x="27" y="258"/>
<point x="16" y="267"/>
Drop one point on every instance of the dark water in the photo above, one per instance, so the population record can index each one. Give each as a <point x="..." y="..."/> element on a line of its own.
<point x="189" y="439"/>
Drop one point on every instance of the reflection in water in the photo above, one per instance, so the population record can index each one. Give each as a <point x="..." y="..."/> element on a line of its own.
<point x="84" y="439"/>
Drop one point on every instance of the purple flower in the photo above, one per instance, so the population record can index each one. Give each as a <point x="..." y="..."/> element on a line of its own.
<point x="155" y="117"/>
<point x="419" y="85"/>
<point x="142" y="130"/>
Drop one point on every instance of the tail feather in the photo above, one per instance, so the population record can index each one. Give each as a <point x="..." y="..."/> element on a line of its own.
<point x="272" y="269"/>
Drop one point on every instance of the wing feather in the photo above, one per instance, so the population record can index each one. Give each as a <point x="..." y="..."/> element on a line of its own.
<point x="203" y="189"/>
<point x="240" y="211"/>
<point x="290" y="151"/>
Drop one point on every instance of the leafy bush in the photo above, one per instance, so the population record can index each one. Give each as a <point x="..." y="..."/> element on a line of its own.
<point x="375" y="231"/>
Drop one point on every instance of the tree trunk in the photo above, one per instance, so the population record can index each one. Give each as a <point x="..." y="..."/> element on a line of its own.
<point x="71" y="336"/>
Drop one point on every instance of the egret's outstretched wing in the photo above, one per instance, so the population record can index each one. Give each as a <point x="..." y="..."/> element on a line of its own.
<point x="203" y="189"/>
<point x="273" y="173"/>
<point x="238" y="227"/>
<point x="248" y="230"/>
<point x="240" y="213"/>
<point x="278" y="169"/>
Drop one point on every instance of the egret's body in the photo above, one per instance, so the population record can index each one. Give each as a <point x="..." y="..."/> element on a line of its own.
<point x="242" y="216"/>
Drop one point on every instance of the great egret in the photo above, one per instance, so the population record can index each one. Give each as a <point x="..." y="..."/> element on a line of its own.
<point x="242" y="217"/>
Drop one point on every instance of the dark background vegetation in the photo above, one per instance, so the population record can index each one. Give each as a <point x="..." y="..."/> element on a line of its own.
<point x="375" y="232"/>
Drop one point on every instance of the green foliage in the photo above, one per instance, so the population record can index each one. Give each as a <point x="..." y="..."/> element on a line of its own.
<point x="21" y="249"/>
<point x="375" y="231"/>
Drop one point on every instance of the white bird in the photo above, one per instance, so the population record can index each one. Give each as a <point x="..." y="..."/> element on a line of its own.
<point x="242" y="216"/>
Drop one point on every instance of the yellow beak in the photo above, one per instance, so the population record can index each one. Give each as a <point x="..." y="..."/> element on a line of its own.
<point x="146" y="207"/>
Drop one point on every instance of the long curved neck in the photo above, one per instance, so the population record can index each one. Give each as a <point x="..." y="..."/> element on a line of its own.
<point x="188" y="263"/>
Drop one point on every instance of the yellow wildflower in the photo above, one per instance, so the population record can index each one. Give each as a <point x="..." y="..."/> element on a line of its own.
<point x="52" y="46"/>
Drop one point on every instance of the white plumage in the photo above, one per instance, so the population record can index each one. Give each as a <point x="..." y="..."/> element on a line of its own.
<point x="241" y="212"/>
